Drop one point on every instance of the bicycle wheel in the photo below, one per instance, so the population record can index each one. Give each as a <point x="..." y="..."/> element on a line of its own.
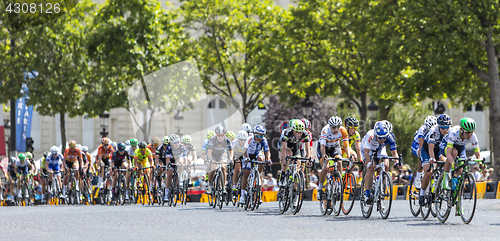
<point x="413" y="194"/>
<point x="281" y="200"/>
<point x="147" y="189"/>
<point x="185" y="191"/>
<point x="349" y="193"/>
<point x="425" y="210"/>
<point x="220" y="191"/>
<point x="467" y="198"/>
<point x="366" y="209"/>
<point x="296" y="192"/>
<point x="324" y="203"/>
<point x="329" y="196"/>
<point x="443" y="200"/>
<point x="303" y="192"/>
<point x="385" y="201"/>
<point x="175" y="197"/>
<point x="122" y="189"/>
<point x="338" y="192"/>
<point x="432" y="195"/>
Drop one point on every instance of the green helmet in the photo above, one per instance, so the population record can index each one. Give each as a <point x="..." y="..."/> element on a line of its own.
<point x="230" y="135"/>
<point x="186" y="139"/>
<point x="22" y="156"/>
<point x="298" y="125"/>
<point x="166" y="140"/>
<point x="134" y="142"/>
<point x="468" y="124"/>
<point x="210" y="134"/>
<point x="29" y="155"/>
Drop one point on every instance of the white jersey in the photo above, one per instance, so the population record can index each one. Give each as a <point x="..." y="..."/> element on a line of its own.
<point x="256" y="147"/>
<point x="19" y="164"/>
<point x="434" y="136"/>
<point x="421" y="133"/>
<point x="237" y="148"/>
<point x="453" y="138"/>
<point x="131" y="152"/>
<point x="370" y="142"/>
<point x="333" y="140"/>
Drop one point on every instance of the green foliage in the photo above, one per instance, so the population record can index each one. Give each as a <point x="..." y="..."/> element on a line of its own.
<point x="406" y="120"/>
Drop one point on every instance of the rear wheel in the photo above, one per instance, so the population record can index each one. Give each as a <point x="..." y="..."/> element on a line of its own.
<point x="366" y="209"/>
<point x="349" y="193"/>
<point x="467" y="198"/>
<point x="413" y="194"/>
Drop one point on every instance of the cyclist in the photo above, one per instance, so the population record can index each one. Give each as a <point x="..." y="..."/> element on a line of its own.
<point x="219" y="149"/>
<point x="131" y="149"/>
<point x="177" y="155"/>
<point x="164" y="154"/>
<point x="88" y="168"/>
<point x="351" y="124"/>
<point x="43" y="172"/>
<point x="143" y="158"/>
<point x="103" y="158"/>
<point x="191" y="150"/>
<point x="375" y="141"/>
<point x="303" y="143"/>
<point x="210" y="134"/>
<point x="256" y="147"/>
<point x="333" y="135"/>
<point x="431" y="150"/>
<point x="248" y="128"/>
<point x="231" y="135"/>
<point x="11" y="170"/>
<point x="55" y="160"/>
<point x="418" y="142"/>
<point x="72" y="159"/>
<point x="4" y="173"/>
<point x="155" y="142"/>
<point x="121" y="160"/>
<point x="453" y="145"/>
<point x="21" y="168"/>
<point x="239" y="148"/>
<point x="289" y="144"/>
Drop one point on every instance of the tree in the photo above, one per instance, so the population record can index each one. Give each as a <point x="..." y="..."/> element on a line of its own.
<point x="231" y="40"/>
<point x="132" y="39"/>
<point x="453" y="44"/>
<point x="55" y="53"/>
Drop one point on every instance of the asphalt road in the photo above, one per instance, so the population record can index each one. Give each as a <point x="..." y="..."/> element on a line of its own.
<point x="196" y="221"/>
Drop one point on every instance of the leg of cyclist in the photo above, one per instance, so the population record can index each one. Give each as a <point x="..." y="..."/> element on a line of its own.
<point x="170" y="172"/>
<point x="76" y="166"/>
<point x="245" y="166"/>
<point x="425" y="163"/>
<point x="101" y="171"/>
<point x="114" y="176"/>
<point x="284" y="165"/>
<point x="325" y="167"/>
<point x="236" y="173"/>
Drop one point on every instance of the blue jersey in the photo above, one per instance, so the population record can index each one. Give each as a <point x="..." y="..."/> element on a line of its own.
<point x="254" y="148"/>
<point x="54" y="160"/>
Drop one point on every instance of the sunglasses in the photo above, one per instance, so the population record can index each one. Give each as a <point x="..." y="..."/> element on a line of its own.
<point x="220" y="135"/>
<point x="354" y="128"/>
<point x="334" y="127"/>
<point x="444" y="127"/>
<point x="105" y="144"/>
<point x="468" y="132"/>
<point x="381" y="138"/>
<point x="259" y="136"/>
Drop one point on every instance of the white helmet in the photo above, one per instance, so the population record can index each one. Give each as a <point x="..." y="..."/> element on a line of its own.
<point x="430" y="121"/>
<point x="54" y="150"/>
<point x="335" y="121"/>
<point x="389" y="125"/>
<point x="78" y="146"/>
<point x="85" y="149"/>
<point x="246" y="127"/>
<point x="242" y="135"/>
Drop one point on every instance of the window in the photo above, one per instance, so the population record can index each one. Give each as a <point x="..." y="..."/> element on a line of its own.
<point x="211" y="105"/>
<point x="222" y="104"/>
<point x="479" y="107"/>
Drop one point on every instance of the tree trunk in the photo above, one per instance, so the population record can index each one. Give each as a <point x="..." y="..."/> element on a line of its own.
<point x="363" y="112"/>
<point x="384" y="108"/>
<point x="62" y="122"/>
<point x="494" y="85"/>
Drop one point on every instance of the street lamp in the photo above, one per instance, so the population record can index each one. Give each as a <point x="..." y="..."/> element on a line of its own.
<point x="178" y="120"/>
<point x="104" y="123"/>
<point x="307" y="105"/>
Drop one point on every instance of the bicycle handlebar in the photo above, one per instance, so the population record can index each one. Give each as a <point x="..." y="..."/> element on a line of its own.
<point x="297" y="158"/>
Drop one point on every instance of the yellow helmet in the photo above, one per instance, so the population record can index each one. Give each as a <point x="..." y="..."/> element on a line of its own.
<point x="72" y="144"/>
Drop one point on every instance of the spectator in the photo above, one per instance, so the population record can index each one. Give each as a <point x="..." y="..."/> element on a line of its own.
<point x="476" y="173"/>
<point x="406" y="174"/>
<point x="313" y="181"/>
<point x="484" y="175"/>
<point x="357" y="174"/>
<point x="196" y="183"/>
<point x="270" y="183"/>
<point x="400" y="177"/>
<point x="490" y="174"/>
<point x="202" y="183"/>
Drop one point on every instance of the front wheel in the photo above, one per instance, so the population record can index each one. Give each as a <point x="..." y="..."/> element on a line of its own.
<point x="385" y="201"/>
<point x="443" y="201"/>
<point x="467" y="198"/>
<point x="349" y="194"/>
<point x="413" y="194"/>
<point x="337" y="193"/>
<point x="366" y="209"/>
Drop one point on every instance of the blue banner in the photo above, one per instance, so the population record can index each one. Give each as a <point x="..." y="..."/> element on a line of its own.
<point x="23" y="120"/>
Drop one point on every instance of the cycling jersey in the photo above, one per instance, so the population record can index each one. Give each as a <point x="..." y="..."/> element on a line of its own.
<point x="143" y="158"/>
<point x="434" y="136"/>
<point x="105" y="153"/>
<point x="333" y="140"/>
<point x="353" y="139"/>
<point x="292" y="142"/>
<point x="152" y="148"/>
<point x="219" y="148"/>
<point x="370" y="142"/>
<point x="189" y="147"/>
<point x="204" y="147"/>
<point x="238" y="149"/>
<point x="179" y="152"/>
<point x="119" y="159"/>
<point x="22" y="167"/>
<point x="72" y="155"/>
<point x="255" y="148"/>
<point x="453" y="139"/>
<point x="54" y="162"/>
<point x="163" y="152"/>
<point x="131" y="151"/>
<point x="420" y="133"/>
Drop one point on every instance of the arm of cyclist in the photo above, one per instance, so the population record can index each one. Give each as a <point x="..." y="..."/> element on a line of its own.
<point x="420" y="144"/>
<point x="283" y="150"/>
<point x="394" y="153"/>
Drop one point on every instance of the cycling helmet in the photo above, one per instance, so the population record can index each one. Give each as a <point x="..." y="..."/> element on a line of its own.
<point x="22" y="156"/>
<point x="127" y="142"/>
<point x="430" y="121"/>
<point x="12" y="160"/>
<point x="230" y="135"/>
<point x="468" y="124"/>
<point x="389" y="125"/>
<point x="113" y="144"/>
<point x="45" y="154"/>
<point x="155" y="140"/>
<point x="298" y="126"/>
<point x="381" y="130"/>
<point x="444" y="120"/>
<point x="121" y="146"/>
<point x="220" y="130"/>
<point x="307" y="123"/>
<point x="246" y="127"/>
<point x="134" y="142"/>
<point x="85" y="149"/>
<point x="142" y="145"/>
<point x="78" y="146"/>
<point x="72" y="144"/>
<point x="175" y="138"/>
<point x="210" y="134"/>
<point x="334" y="121"/>
<point x="258" y="129"/>
<point x="242" y="135"/>
<point x="105" y="140"/>
<point x="29" y="155"/>
<point x="166" y="140"/>
<point x="187" y="139"/>
<point x="351" y="122"/>
<point x="54" y="150"/>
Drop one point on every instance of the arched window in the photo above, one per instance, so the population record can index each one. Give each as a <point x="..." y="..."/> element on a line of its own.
<point x="217" y="112"/>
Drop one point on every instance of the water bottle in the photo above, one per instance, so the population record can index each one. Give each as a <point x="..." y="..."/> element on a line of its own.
<point x="454" y="184"/>
<point x="433" y="186"/>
